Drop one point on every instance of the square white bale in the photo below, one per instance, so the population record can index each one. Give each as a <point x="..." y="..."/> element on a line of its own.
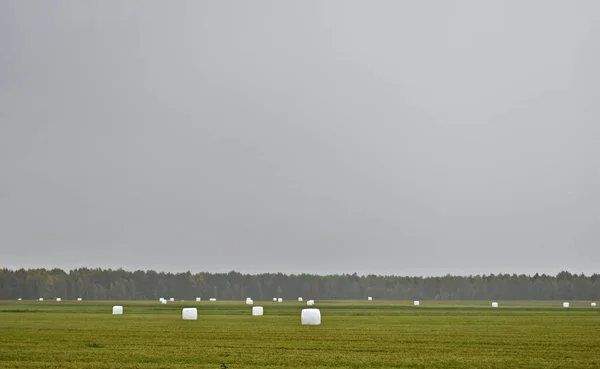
<point x="257" y="310"/>
<point x="117" y="310"/>
<point x="189" y="314"/>
<point x="310" y="316"/>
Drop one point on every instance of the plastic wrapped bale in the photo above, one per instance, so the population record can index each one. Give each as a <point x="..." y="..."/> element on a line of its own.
<point x="164" y="302"/>
<point x="249" y="302"/>
<point x="593" y="304"/>
<point x="212" y="299"/>
<point x="172" y="299"/>
<point x="79" y="299"/>
<point x="416" y="303"/>
<point x="58" y="299"/>
<point x="300" y="299"/>
<point x="189" y="314"/>
<point x="565" y="304"/>
<point x="370" y="298"/>
<point x="117" y="310"/>
<point x="310" y="317"/>
<point x="19" y="299"/>
<point x="310" y="302"/>
<point x="198" y="299"/>
<point x="274" y="299"/>
<point x="494" y="304"/>
<point x="257" y="310"/>
<point x="41" y="299"/>
<point x="280" y="300"/>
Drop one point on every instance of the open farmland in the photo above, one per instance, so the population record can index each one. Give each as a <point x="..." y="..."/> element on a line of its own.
<point x="353" y="334"/>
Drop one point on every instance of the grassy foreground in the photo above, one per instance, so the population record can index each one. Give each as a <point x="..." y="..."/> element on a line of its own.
<point x="353" y="334"/>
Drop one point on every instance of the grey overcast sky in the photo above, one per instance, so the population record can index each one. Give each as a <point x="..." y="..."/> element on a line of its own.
<point x="329" y="136"/>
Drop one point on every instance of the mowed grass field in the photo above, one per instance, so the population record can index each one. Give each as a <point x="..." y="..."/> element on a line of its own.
<point x="353" y="334"/>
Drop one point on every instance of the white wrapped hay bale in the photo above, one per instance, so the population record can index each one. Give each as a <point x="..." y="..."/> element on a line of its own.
<point x="189" y="314"/>
<point x="310" y="316"/>
<point x="416" y="303"/>
<point x="593" y="304"/>
<point x="198" y="299"/>
<point x="164" y="302"/>
<point x="19" y="299"/>
<point x="565" y="304"/>
<point x="117" y="310"/>
<point x="257" y="310"/>
<point x="249" y="302"/>
<point x="212" y="299"/>
<point x="300" y="299"/>
<point x="310" y="302"/>
<point x="172" y="299"/>
<point x="494" y="304"/>
<point x="280" y="300"/>
<point x="41" y="299"/>
<point x="274" y="299"/>
<point x="370" y="298"/>
<point x="79" y="299"/>
<point x="58" y="299"/>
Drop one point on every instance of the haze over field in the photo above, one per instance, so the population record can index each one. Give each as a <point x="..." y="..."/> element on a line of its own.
<point x="386" y="137"/>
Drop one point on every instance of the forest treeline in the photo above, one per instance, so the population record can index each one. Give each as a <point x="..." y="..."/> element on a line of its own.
<point x="119" y="284"/>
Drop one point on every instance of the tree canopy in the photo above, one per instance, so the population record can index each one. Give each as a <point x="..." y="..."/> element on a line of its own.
<point x="119" y="284"/>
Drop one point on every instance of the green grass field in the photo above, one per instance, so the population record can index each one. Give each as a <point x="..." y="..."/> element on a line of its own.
<point x="353" y="334"/>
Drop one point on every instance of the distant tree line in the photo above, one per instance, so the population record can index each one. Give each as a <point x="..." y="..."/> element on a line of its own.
<point x="119" y="284"/>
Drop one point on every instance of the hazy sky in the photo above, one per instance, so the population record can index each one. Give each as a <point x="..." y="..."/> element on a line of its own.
<point x="404" y="137"/>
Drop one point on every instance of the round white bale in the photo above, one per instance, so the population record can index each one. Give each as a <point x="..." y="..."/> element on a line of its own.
<point x="164" y="302"/>
<point x="416" y="303"/>
<point x="565" y="304"/>
<point x="494" y="304"/>
<point x="172" y="299"/>
<point x="274" y="299"/>
<point x="58" y="299"/>
<point x="117" y="310"/>
<point x="189" y="314"/>
<point x="79" y="299"/>
<point x="249" y="302"/>
<point x="310" y="302"/>
<point x="369" y="298"/>
<point x="257" y="310"/>
<point x="198" y="299"/>
<point x="300" y="299"/>
<point x="41" y="299"/>
<point x="19" y="299"/>
<point x="593" y="304"/>
<point x="310" y="317"/>
<point x="280" y="300"/>
<point x="212" y="299"/>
